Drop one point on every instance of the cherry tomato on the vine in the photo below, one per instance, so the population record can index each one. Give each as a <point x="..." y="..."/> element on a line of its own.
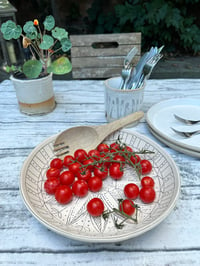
<point x="116" y="171"/>
<point x="105" y="160"/>
<point x="147" y="194"/>
<point x="131" y="191"/>
<point x="68" y="159"/>
<point x="80" y="188"/>
<point x="63" y="194"/>
<point x="67" y="178"/>
<point x="74" y="167"/>
<point x="95" y="207"/>
<point x="128" y="148"/>
<point x="80" y="155"/>
<point x="94" y="153"/>
<point x="56" y="163"/>
<point x="95" y="183"/>
<point x="147" y="181"/>
<point x="103" y="147"/>
<point x="88" y="163"/>
<point x="53" y="172"/>
<point x="145" y="167"/>
<point x="127" y="206"/>
<point x="119" y="158"/>
<point x="135" y="158"/>
<point x="51" y="184"/>
<point x="101" y="171"/>
<point x="84" y="174"/>
<point x="114" y="146"/>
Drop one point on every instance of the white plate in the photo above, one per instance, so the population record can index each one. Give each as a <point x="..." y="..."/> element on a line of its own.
<point x="160" y="117"/>
<point x="173" y="146"/>
<point x="73" y="221"/>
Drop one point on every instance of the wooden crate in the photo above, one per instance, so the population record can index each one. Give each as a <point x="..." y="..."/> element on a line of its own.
<point x="101" y="56"/>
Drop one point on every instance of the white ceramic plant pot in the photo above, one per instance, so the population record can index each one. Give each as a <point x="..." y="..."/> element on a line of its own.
<point x="119" y="103"/>
<point x="35" y="96"/>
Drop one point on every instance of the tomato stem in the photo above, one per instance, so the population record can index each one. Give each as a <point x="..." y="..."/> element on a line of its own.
<point x="120" y="225"/>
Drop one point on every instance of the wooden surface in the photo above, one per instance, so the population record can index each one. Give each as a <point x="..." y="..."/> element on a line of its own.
<point x="102" y="55"/>
<point x="25" y="241"/>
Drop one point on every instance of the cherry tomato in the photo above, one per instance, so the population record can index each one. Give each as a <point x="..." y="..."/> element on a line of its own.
<point x="95" y="207"/>
<point x="56" y="163"/>
<point x="63" y="194"/>
<point x="103" y="147"/>
<point x="68" y="159"/>
<point x="51" y="184"/>
<point x="101" y="171"/>
<point x="67" y="178"/>
<point x="53" y="172"/>
<point x="105" y="160"/>
<point x="74" y="167"/>
<point x="114" y="147"/>
<point x="147" y="181"/>
<point x="95" y="183"/>
<point x="127" y="206"/>
<point x="80" y="188"/>
<point x="94" y="154"/>
<point x="147" y="194"/>
<point x="116" y="171"/>
<point x="128" y="149"/>
<point x="119" y="158"/>
<point x="135" y="158"/>
<point x="80" y="155"/>
<point x="131" y="191"/>
<point x="145" y="167"/>
<point x="89" y="163"/>
<point x="84" y="174"/>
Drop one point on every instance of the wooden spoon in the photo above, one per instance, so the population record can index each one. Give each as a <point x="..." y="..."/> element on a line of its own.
<point x="89" y="137"/>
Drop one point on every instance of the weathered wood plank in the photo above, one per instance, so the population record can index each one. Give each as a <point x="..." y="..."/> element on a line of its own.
<point x="103" y="53"/>
<point x="125" y="38"/>
<point x="101" y="62"/>
<point x="105" y="257"/>
<point x="23" y="227"/>
<point x="95" y="72"/>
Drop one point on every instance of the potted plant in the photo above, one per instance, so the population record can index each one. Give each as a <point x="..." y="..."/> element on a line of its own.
<point x="44" y="42"/>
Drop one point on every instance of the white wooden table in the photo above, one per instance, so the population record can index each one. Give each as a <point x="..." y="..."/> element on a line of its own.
<point x="24" y="241"/>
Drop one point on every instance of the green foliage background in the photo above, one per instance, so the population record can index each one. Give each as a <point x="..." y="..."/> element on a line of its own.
<point x="173" y="23"/>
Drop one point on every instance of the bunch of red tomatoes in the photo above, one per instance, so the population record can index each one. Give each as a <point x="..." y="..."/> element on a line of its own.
<point x="76" y="175"/>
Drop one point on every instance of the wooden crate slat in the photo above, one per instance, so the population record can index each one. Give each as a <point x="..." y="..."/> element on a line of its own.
<point x="95" y="73"/>
<point x="90" y="51"/>
<point x="114" y="62"/>
<point x="121" y="38"/>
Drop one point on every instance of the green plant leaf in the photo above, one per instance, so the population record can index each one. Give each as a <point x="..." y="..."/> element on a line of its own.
<point x="59" y="33"/>
<point x="49" y="23"/>
<point x="66" y="44"/>
<point x="60" y="66"/>
<point x="47" y="42"/>
<point x="32" y="68"/>
<point x="10" y="30"/>
<point x="30" y="30"/>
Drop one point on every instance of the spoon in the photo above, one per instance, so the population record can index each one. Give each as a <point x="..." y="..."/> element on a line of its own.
<point x="89" y="137"/>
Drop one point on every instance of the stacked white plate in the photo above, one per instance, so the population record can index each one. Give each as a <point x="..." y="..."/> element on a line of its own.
<point x="160" y="119"/>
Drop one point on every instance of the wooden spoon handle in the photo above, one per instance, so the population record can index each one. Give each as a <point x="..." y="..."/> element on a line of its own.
<point x="105" y="130"/>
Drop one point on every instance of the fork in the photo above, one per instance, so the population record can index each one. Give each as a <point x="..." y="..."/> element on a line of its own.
<point x="186" y="134"/>
<point x="126" y="71"/>
<point x="187" y="121"/>
<point x="146" y="70"/>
